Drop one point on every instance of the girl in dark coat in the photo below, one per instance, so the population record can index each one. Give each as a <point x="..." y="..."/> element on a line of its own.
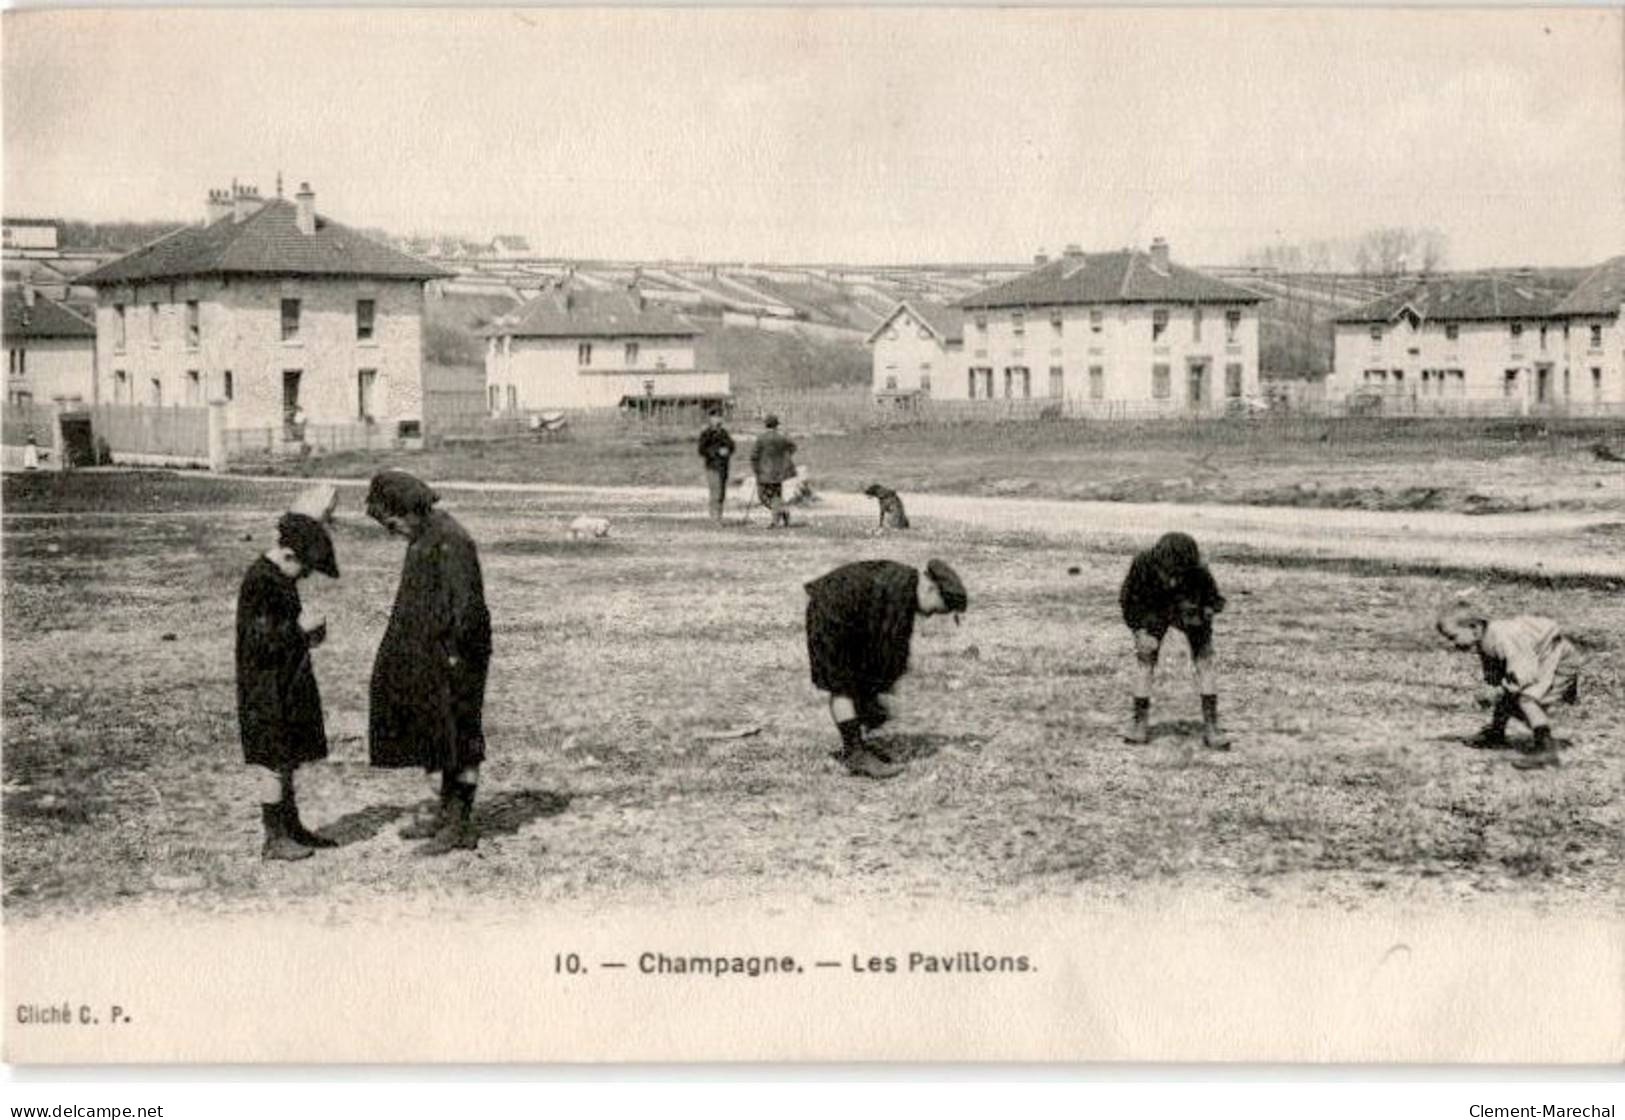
<point x="1168" y="586"/>
<point x="860" y="622"/>
<point x="428" y="683"/>
<point x="279" y="709"/>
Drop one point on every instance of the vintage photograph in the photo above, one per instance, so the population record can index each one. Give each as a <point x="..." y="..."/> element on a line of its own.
<point x="813" y="534"/>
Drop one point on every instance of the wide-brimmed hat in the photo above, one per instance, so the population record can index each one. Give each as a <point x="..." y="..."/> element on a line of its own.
<point x="308" y="541"/>
<point x="395" y="493"/>
<point x="949" y="584"/>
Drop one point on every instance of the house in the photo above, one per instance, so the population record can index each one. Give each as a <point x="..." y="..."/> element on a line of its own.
<point x="271" y="307"/>
<point x="510" y="246"/>
<point x="918" y="340"/>
<point x="1528" y="338"/>
<point x="595" y="349"/>
<point x="1124" y="327"/>
<point x="50" y="350"/>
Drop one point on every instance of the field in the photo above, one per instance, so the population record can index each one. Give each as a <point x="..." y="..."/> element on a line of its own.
<point x="616" y="659"/>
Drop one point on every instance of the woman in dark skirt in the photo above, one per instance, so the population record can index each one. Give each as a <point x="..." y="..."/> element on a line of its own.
<point x="428" y="683"/>
<point x="1168" y="587"/>
<point x="279" y="709"/>
<point x="860" y="622"/>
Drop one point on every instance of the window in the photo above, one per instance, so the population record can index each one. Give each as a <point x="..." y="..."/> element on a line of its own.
<point x="1596" y="336"/>
<point x="631" y="354"/>
<point x="1596" y="384"/>
<point x="366" y="314"/>
<point x="1159" y="323"/>
<point x="19" y="363"/>
<point x="584" y="354"/>
<point x="494" y="397"/>
<point x="513" y="398"/>
<point x="925" y="378"/>
<point x="1376" y="332"/>
<point x="194" y="387"/>
<point x="227" y="390"/>
<point x="1196" y="324"/>
<point x="118" y="325"/>
<point x="1057" y="381"/>
<point x="1097" y="383"/>
<point x="1232" y="380"/>
<point x="1543" y="336"/>
<point x="1161" y="382"/>
<point x="364" y="381"/>
<point x="1452" y="331"/>
<point x="290" y="320"/>
<point x="1057" y="322"/>
<point x="981" y="378"/>
<point x="1017" y="382"/>
<point x="891" y="381"/>
<point x="1509" y="383"/>
<point x="152" y="323"/>
<point x="1018" y="322"/>
<point x="1097" y="319"/>
<point x="1517" y="332"/>
<point x="1232" y="325"/>
<point x="192" y="324"/>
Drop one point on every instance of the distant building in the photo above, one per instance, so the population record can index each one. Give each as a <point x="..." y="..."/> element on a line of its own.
<point x="599" y="349"/>
<point x="918" y="344"/>
<point x="271" y="307"/>
<point x="50" y="350"/>
<point x="24" y="236"/>
<point x="1495" y="336"/>
<point x="510" y="246"/>
<point x="1122" y="327"/>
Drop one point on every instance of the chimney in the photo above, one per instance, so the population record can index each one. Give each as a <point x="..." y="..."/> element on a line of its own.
<point x="1159" y="255"/>
<point x="1073" y="251"/>
<point x="218" y="206"/>
<point x="245" y="201"/>
<point x="306" y="201"/>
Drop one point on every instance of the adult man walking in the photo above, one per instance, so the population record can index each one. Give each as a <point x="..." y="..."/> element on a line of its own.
<point x="773" y="461"/>
<point x="716" y="449"/>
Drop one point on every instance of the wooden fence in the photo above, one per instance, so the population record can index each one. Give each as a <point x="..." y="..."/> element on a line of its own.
<point x="149" y="434"/>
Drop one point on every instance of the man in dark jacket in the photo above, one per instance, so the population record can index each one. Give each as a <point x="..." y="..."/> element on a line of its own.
<point x="772" y="460"/>
<point x="428" y="683"/>
<point x="279" y="708"/>
<point x="1168" y="586"/>
<point x="860" y="622"/>
<point x="716" y="449"/>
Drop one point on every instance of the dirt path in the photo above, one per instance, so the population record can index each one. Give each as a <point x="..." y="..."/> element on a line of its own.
<point x="1555" y="543"/>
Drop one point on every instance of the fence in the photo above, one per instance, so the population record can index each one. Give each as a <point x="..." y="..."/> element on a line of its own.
<point x="253" y="443"/>
<point x="145" y="434"/>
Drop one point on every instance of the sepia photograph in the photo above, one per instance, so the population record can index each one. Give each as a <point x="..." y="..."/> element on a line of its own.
<point x="813" y="535"/>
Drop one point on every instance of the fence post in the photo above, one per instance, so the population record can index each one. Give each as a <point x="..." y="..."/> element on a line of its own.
<point x="217" y="435"/>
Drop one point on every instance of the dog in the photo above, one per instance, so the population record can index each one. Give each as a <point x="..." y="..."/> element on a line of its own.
<point x="891" y="507"/>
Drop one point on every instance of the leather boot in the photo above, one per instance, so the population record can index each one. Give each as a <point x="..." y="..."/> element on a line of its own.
<point x="865" y="763"/>
<point x="1540" y="754"/>
<point x="457" y="832"/>
<point x="297" y="831"/>
<point x="278" y="844"/>
<point x="429" y="826"/>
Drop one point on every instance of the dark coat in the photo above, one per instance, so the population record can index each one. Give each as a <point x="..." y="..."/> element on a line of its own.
<point x="860" y="621"/>
<point x="425" y="711"/>
<point x="716" y="448"/>
<point x="771" y="457"/>
<point x="1150" y="604"/>
<point x="279" y="709"/>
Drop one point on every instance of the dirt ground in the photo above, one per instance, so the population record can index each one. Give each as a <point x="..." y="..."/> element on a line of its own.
<point x="1467" y="466"/>
<point x="1348" y="784"/>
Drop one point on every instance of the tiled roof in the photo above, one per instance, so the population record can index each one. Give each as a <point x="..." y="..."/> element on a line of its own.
<point x="46" y="319"/>
<point x="1126" y="276"/>
<point x="556" y="313"/>
<point x="267" y="242"/>
<point x="1474" y="296"/>
<point x="1602" y="292"/>
<point x="947" y="323"/>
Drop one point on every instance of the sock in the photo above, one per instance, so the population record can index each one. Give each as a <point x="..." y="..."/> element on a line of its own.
<point x="1142" y="706"/>
<point x="1210" y="707"/>
<point x="1543" y="738"/>
<point x="851" y="735"/>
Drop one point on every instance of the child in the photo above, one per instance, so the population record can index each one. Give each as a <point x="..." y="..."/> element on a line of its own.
<point x="860" y="623"/>
<point x="1169" y="586"/>
<point x="1531" y="666"/>
<point x="279" y="710"/>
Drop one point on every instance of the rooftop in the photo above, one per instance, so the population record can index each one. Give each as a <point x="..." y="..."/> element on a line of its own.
<point x="1601" y="292"/>
<point x="45" y="319"/>
<point x="1525" y="294"/>
<point x="567" y="313"/>
<point x="1125" y="276"/>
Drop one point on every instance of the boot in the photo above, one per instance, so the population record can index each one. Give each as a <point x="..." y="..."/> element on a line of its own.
<point x="1540" y="754"/>
<point x="458" y="830"/>
<point x="1490" y="737"/>
<point x="278" y="844"/>
<point x="1213" y="736"/>
<point x="871" y="714"/>
<point x="297" y="831"/>
<point x="1139" y="731"/>
<point x="865" y="763"/>
<point x="428" y="827"/>
<point x="851" y="739"/>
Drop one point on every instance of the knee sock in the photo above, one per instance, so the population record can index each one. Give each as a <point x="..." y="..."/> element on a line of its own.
<point x="1210" y="707"/>
<point x="851" y="735"/>
<point x="1142" y="706"/>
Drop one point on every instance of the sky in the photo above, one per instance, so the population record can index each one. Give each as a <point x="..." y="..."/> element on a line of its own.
<point x="902" y="135"/>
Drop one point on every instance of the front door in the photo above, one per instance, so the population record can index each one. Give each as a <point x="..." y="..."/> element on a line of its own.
<point x="290" y="402"/>
<point x="1543" y="383"/>
<point x="1196" y="389"/>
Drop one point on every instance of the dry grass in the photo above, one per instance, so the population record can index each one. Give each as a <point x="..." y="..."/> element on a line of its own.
<point x="124" y="781"/>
